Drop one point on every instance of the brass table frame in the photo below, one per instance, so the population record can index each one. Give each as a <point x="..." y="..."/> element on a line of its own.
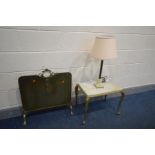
<point x="87" y="98"/>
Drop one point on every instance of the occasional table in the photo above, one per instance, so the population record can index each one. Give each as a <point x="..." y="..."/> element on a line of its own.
<point x="90" y="91"/>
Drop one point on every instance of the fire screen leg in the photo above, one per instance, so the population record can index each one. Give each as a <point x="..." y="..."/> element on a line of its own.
<point x="76" y="94"/>
<point x="24" y="119"/>
<point x="71" y="109"/>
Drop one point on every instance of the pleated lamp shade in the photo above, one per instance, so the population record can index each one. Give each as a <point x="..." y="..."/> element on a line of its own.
<point x="104" y="48"/>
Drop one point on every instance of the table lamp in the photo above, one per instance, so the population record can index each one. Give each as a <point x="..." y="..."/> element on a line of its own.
<point x="104" y="48"/>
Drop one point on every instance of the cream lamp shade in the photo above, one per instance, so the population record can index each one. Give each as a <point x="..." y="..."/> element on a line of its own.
<point x="104" y="48"/>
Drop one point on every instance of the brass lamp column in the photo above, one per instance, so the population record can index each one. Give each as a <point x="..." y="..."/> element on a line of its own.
<point x="101" y="66"/>
<point x="104" y="48"/>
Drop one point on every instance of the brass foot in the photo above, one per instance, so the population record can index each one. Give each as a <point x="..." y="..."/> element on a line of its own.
<point x="24" y="123"/>
<point x="83" y="122"/>
<point x="72" y="113"/>
<point x="24" y="117"/>
<point x="71" y="108"/>
<point x="118" y="113"/>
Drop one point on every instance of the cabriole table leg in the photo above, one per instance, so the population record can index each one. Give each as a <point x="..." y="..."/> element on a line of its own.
<point x="85" y="109"/>
<point x="120" y="102"/>
<point x="105" y="97"/>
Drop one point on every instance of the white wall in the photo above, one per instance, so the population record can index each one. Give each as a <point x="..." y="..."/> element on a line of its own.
<point x="25" y="50"/>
